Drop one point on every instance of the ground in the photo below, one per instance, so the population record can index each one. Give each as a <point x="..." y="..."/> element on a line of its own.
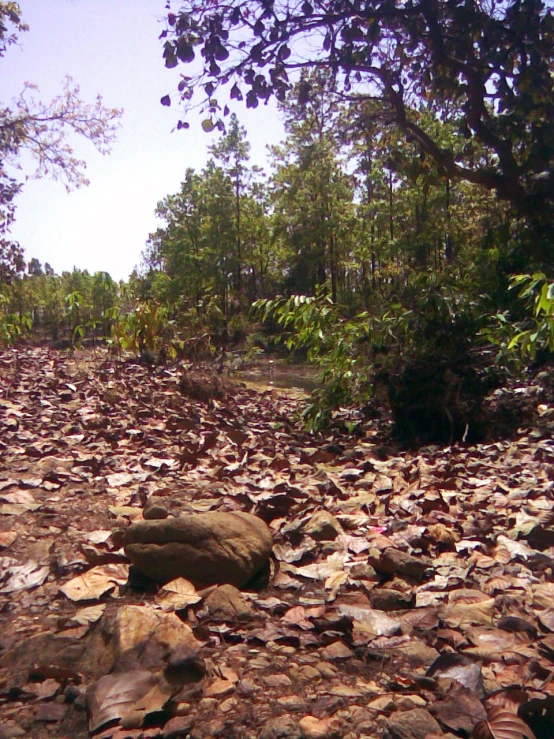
<point x="406" y="587"/>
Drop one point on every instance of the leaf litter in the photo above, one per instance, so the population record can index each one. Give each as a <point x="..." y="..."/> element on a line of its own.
<point x="408" y="588"/>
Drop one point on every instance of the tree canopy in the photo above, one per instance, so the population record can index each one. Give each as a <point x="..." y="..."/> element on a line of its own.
<point x="484" y="67"/>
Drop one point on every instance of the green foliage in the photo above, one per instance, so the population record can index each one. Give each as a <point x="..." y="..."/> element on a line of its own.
<point x="537" y="333"/>
<point x="12" y="325"/>
<point x="346" y="348"/>
<point x="140" y="331"/>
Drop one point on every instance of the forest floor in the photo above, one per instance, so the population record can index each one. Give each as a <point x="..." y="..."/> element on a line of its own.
<point x="423" y="606"/>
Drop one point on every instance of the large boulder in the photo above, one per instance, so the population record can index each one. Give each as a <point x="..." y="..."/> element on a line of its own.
<point x="210" y="548"/>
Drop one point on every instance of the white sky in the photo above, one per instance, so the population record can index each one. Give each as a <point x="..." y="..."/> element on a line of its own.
<point x="110" y="47"/>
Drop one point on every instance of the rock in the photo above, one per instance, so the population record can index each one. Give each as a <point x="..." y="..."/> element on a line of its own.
<point x="385" y="599"/>
<point x="177" y="727"/>
<point x="363" y="571"/>
<point x="226" y="603"/>
<point x="157" y="640"/>
<point x="154" y="512"/>
<point x="206" y="548"/>
<point x="281" y="727"/>
<point x="322" y="526"/>
<point x="414" y="724"/>
<point x="394" y="562"/>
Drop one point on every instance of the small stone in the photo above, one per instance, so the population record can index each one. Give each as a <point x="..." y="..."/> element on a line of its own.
<point x="281" y="727"/>
<point x="155" y="512"/>
<point x="407" y="702"/>
<point x="414" y="724"/>
<point x="177" y="727"/>
<point x="71" y="693"/>
<point x="363" y="571"/>
<point x="226" y="603"/>
<point x="385" y="599"/>
<point x="322" y="526"/>
<point x="395" y="562"/>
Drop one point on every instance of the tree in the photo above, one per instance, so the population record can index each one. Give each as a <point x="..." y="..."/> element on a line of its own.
<point x="312" y="195"/>
<point x="485" y="67"/>
<point x="43" y="130"/>
<point x="233" y="151"/>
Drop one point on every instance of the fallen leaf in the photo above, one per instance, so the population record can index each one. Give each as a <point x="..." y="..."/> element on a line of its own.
<point x="177" y="594"/>
<point x="21" y="577"/>
<point x="96" y="582"/>
<point x="502" y="724"/>
<point x="127" y="697"/>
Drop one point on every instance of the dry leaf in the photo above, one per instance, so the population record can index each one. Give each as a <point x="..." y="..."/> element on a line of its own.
<point x="14" y="577"/>
<point x="463" y="615"/>
<point x="502" y="724"/>
<point x="177" y="594"/>
<point x="126" y="696"/>
<point x="96" y="582"/>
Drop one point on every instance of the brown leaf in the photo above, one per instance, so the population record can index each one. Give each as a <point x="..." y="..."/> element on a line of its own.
<point x="502" y="724"/>
<point x="177" y="594"/>
<point x="96" y="582"/>
<point x="126" y="696"/>
<point x="462" y="615"/>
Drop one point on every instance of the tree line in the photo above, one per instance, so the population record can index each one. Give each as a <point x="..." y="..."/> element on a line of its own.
<point x="345" y="202"/>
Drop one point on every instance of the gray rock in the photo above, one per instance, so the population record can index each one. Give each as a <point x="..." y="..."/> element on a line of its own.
<point x="210" y="548"/>
<point x="414" y="724"/>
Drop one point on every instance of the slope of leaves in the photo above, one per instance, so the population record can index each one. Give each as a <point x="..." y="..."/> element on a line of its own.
<point x="407" y="588"/>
